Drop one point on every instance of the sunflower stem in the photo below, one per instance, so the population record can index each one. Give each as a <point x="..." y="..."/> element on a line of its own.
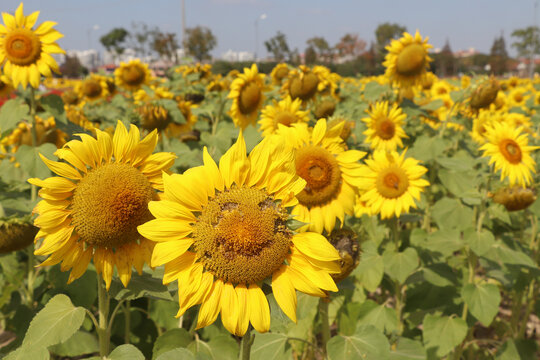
<point x="103" y="329"/>
<point x="33" y="197"/>
<point x="325" y="322"/>
<point x="31" y="276"/>
<point x="245" y="346"/>
<point x="127" y="321"/>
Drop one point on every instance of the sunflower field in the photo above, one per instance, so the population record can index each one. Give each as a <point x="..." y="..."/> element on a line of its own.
<point x="318" y="216"/>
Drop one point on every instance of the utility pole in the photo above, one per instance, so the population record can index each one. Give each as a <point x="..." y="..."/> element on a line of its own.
<point x="262" y="17"/>
<point x="183" y="25"/>
<point x="534" y="44"/>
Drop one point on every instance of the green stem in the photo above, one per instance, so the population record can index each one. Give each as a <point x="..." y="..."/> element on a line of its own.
<point x="31" y="276"/>
<point x="103" y="329"/>
<point x="245" y="346"/>
<point x="33" y="196"/>
<point x="325" y="322"/>
<point x="531" y="300"/>
<point x="395" y="232"/>
<point x="127" y="323"/>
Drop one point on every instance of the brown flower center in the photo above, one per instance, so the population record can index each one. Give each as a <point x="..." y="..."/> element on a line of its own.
<point x="91" y="88"/>
<point x="385" y="129"/>
<point x="510" y="150"/>
<point x="392" y="182"/>
<point x="154" y="117"/>
<point x="22" y="47"/>
<point x="250" y="98"/>
<point x="285" y="118"/>
<point x="321" y="171"/>
<point x="109" y="203"/>
<point x="411" y="60"/>
<point x="241" y="235"/>
<point x="133" y="75"/>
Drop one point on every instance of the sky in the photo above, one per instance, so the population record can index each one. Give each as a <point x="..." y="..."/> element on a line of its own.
<point x="464" y="23"/>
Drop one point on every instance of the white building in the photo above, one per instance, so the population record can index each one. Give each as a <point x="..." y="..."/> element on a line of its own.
<point x="90" y="58"/>
<point x="233" y="56"/>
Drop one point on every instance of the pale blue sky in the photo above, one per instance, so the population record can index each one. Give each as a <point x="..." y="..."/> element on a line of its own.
<point x="465" y="23"/>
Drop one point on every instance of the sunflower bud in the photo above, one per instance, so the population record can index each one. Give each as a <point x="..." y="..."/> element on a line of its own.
<point x="485" y="94"/>
<point x="515" y="198"/>
<point x="304" y="86"/>
<point x="346" y="243"/>
<point x="16" y="234"/>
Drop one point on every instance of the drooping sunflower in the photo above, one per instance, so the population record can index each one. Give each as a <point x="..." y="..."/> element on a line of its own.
<point x="302" y="83"/>
<point x="331" y="173"/>
<point x="247" y="94"/>
<point x="279" y="72"/>
<point x="285" y="112"/>
<point x="384" y="129"/>
<point x="222" y="231"/>
<point x="131" y="76"/>
<point x="508" y="150"/>
<point x="391" y="183"/>
<point x="407" y="60"/>
<point x="25" y="52"/>
<point x="92" y="209"/>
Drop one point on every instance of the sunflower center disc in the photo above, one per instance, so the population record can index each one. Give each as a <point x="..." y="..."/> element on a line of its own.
<point x="154" y="117"/>
<point x="22" y="47"/>
<point x="250" y="97"/>
<point x="386" y="129"/>
<point x="411" y="60"/>
<point x="109" y="203"/>
<point x="285" y="118"/>
<point x="321" y="171"/>
<point x="511" y="151"/>
<point x="133" y="75"/>
<point x="304" y="86"/>
<point x="91" y="88"/>
<point x="241" y="235"/>
<point x="281" y="73"/>
<point x="392" y="182"/>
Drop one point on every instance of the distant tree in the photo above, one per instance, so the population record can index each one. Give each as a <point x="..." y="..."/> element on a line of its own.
<point x="72" y="67"/>
<point x="498" y="57"/>
<point x="385" y="32"/>
<point x="350" y="45"/>
<point x="140" y="38"/>
<point x="114" y="41"/>
<point x="278" y="47"/>
<point x="310" y="55"/>
<point x="321" y="47"/>
<point x="444" y="62"/>
<point x="199" y="42"/>
<point x="528" y="42"/>
<point x="165" y="44"/>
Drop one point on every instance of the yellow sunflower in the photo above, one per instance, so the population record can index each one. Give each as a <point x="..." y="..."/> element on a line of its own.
<point x="222" y="231"/>
<point x="131" y="76"/>
<point x="6" y="87"/>
<point x="285" y="112"/>
<point x="185" y="107"/>
<point x="331" y="174"/>
<point x="92" y="88"/>
<point x="391" y="183"/>
<point x="407" y="60"/>
<point x="94" y="207"/>
<point x="46" y="132"/>
<point x="247" y="97"/>
<point x="302" y="83"/>
<point x="384" y="129"/>
<point x="508" y="150"/>
<point x="24" y="52"/>
<point x="480" y="123"/>
<point x="279" y="72"/>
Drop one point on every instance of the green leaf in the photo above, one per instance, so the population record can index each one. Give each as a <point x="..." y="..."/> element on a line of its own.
<point x="443" y="333"/>
<point x="380" y="316"/>
<point x="450" y="213"/>
<point x="161" y="311"/>
<point x="55" y="323"/>
<point x="11" y="113"/>
<point x="483" y="301"/>
<point x="445" y="242"/>
<point x="370" y="269"/>
<point x="170" y="340"/>
<point x="518" y="350"/>
<point x="479" y="243"/>
<point x="433" y="105"/>
<point x="25" y="353"/>
<point x="501" y="253"/>
<point x="269" y="346"/>
<point x="30" y="161"/>
<point x="399" y="265"/>
<point x="367" y="343"/>
<point x="80" y="343"/>
<point x="440" y="274"/>
<point x="54" y="105"/>
<point x="140" y="286"/>
<point x="427" y="148"/>
<point x="126" y="352"/>
<point x="373" y="90"/>
<point x="408" y="349"/>
<point x="177" y="354"/>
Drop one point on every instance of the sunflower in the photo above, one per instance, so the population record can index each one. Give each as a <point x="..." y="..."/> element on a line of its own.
<point x="133" y="75"/>
<point x="407" y="60"/>
<point x="480" y="122"/>
<point x="24" y="52"/>
<point x="302" y="83"/>
<point x="96" y="213"/>
<point x="185" y="107"/>
<point x="92" y="88"/>
<point x="279" y="72"/>
<point x="222" y="231"/>
<point x="247" y="97"/>
<point x="391" y="183"/>
<point x="46" y="132"/>
<point x="331" y="174"/>
<point x="518" y="96"/>
<point x="285" y="112"/>
<point x="508" y="149"/>
<point x="384" y="129"/>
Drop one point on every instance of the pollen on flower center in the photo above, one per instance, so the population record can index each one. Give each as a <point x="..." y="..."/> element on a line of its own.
<point x="22" y="47"/>
<point x="241" y="235"/>
<point x="511" y="151"/>
<point x="392" y="182"/>
<point x="411" y="60"/>
<point x="109" y="203"/>
<point x="322" y="174"/>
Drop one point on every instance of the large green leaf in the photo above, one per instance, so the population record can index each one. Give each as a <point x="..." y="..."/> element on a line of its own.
<point x="443" y="333"/>
<point x="55" y="323"/>
<point x="54" y="105"/>
<point x="25" y="353"/>
<point x="140" y="286"/>
<point x="483" y="301"/>
<point x="399" y="265"/>
<point x="80" y="343"/>
<point x="380" y="316"/>
<point x="126" y="352"/>
<point x="479" y="242"/>
<point x="445" y="242"/>
<point x="12" y="112"/>
<point x="501" y="253"/>
<point x="169" y="340"/>
<point x="177" y="354"/>
<point x="30" y="161"/>
<point x="407" y="349"/>
<point x="370" y="269"/>
<point x="451" y="213"/>
<point x="518" y="350"/>
<point x="269" y="346"/>
<point x="367" y="343"/>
